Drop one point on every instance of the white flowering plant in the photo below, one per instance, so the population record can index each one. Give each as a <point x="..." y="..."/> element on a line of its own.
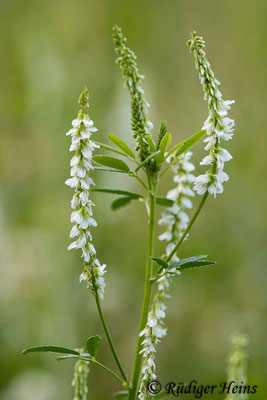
<point x="145" y="163"/>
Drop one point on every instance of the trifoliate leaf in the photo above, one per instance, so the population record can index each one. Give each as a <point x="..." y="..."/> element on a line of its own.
<point x="92" y="344"/>
<point x="121" y="144"/>
<point x="111" y="162"/>
<point x="185" y="145"/>
<point x="160" y="261"/>
<point x="50" y="349"/>
<point x="119" y="191"/>
<point x="120" y="202"/>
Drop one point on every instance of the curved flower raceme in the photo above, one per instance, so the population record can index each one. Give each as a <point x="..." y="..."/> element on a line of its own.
<point x="81" y="371"/>
<point x="80" y="181"/>
<point x="175" y="219"/>
<point x="127" y="61"/>
<point x="218" y="125"/>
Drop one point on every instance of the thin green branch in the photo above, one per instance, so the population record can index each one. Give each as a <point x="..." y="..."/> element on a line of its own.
<point x="93" y="360"/>
<point x="110" y="341"/>
<point x="189" y="226"/>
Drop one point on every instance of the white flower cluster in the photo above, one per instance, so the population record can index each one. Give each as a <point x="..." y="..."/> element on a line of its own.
<point x="175" y="217"/>
<point x="81" y="370"/>
<point x="176" y="220"/>
<point x="218" y="126"/>
<point x="153" y="333"/>
<point x="80" y="181"/>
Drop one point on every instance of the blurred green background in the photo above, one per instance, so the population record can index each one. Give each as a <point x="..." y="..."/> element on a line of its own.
<point x="49" y="51"/>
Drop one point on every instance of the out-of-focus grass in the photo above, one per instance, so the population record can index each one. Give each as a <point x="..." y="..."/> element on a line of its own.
<point x="50" y="50"/>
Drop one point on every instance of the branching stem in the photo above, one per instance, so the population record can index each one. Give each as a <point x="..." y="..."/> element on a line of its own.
<point x="147" y="291"/>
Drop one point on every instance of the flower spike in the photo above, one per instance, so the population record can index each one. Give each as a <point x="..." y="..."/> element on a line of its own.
<point x="219" y="127"/>
<point x="80" y="181"/>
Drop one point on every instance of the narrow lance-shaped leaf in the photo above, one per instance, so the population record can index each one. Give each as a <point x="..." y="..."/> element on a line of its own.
<point x="188" y="259"/>
<point x="93" y="344"/>
<point x="120" y="202"/>
<point x="164" y="144"/>
<point x="191" y="262"/>
<point x="121" y="144"/>
<point x="50" y="349"/>
<point x="163" y="201"/>
<point x="185" y="145"/>
<point x="147" y="159"/>
<point x="119" y="191"/>
<point x="160" y="261"/>
<point x="98" y="168"/>
<point x="111" y="162"/>
<point x="67" y="357"/>
<point x="110" y="148"/>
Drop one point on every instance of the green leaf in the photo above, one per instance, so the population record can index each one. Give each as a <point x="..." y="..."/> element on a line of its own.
<point x="191" y="262"/>
<point x="50" y="349"/>
<point x="160" y="261"/>
<point x="119" y="191"/>
<point x="92" y="344"/>
<point x="97" y="168"/>
<point x="111" y="162"/>
<point x="151" y="143"/>
<point x="164" y="144"/>
<point x="196" y="264"/>
<point x="120" y="394"/>
<point x="185" y="145"/>
<point x="110" y="148"/>
<point x="188" y="259"/>
<point x="120" y="202"/>
<point x="147" y="159"/>
<point x="67" y="357"/>
<point x="163" y="201"/>
<point x="121" y="144"/>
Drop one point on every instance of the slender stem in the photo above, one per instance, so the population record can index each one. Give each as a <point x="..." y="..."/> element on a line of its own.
<point x="147" y="294"/>
<point x="113" y="349"/>
<point x="140" y="180"/>
<point x="188" y="226"/>
<point x="106" y="368"/>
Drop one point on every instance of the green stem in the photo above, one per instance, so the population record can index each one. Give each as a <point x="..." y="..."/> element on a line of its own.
<point x="188" y="226"/>
<point x="92" y="360"/>
<point x="113" y="349"/>
<point x="135" y="175"/>
<point x="147" y="294"/>
<point x="110" y="371"/>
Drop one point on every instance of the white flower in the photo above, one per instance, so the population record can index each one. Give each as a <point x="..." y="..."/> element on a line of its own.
<point x="175" y="217"/>
<point x="218" y="125"/>
<point x="82" y="215"/>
